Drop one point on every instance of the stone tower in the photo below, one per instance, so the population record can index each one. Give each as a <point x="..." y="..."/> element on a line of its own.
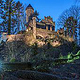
<point x="31" y="22"/>
<point x="29" y="12"/>
<point x="34" y="27"/>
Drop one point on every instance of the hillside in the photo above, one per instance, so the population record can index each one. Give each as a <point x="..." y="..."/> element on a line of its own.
<point x="42" y="53"/>
<point x="47" y="43"/>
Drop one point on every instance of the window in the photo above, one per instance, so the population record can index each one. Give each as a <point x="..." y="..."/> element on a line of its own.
<point x="48" y="27"/>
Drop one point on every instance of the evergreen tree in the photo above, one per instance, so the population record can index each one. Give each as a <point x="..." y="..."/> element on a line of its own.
<point x="8" y="16"/>
<point x="19" y="15"/>
<point x="12" y="15"/>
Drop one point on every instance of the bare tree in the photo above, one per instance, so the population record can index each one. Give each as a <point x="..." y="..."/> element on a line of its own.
<point x="74" y="12"/>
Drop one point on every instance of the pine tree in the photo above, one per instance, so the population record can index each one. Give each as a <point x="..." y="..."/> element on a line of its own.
<point x="7" y="17"/>
<point x="19" y="15"/>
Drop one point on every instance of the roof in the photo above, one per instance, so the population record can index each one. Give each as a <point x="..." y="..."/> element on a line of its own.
<point x="29" y="7"/>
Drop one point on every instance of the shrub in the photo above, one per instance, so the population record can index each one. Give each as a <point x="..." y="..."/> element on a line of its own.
<point x="70" y="56"/>
<point x="78" y="53"/>
<point x="13" y="60"/>
<point x="60" y="56"/>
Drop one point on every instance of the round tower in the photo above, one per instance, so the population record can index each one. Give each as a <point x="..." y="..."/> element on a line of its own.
<point x="29" y="12"/>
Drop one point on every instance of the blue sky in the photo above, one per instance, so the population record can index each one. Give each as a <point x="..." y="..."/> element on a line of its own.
<point x="52" y="8"/>
<point x="49" y="7"/>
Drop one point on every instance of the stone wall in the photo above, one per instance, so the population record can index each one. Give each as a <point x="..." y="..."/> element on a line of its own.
<point x="17" y="37"/>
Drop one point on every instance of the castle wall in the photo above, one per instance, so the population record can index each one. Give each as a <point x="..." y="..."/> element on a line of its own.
<point x="17" y="37"/>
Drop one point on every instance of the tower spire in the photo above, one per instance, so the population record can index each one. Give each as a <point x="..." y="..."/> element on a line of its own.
<point x="29" y="7"/>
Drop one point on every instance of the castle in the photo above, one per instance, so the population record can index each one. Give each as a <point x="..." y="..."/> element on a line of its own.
<point x="40" y="30"/>
<point x="46" y="23"/>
